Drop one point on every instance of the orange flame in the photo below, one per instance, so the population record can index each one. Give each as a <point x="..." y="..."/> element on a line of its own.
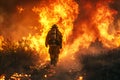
<point x="2" y="77"/>
<point x="104" y="22"/>
<point x="1" y="40"/>
<point x="20" y="9"/>
<point x="80" y="78"/>
<point x="64" y="13"/>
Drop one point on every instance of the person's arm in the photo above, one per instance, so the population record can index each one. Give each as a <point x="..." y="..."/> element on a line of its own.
<point x="46" y="41"/>
<point x="61" y="40"/>
<point x="60" y="34"/>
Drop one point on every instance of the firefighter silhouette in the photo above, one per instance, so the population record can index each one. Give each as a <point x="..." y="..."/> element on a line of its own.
<point x="54" y="40"/>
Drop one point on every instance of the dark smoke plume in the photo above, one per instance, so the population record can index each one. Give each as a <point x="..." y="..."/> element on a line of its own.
<point x="14" y="24"/>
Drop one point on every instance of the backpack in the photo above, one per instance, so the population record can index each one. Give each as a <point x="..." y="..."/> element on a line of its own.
<point x="55" y="37"/>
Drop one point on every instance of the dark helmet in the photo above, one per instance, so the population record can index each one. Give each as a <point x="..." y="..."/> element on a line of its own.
<point x="54" y="26"/>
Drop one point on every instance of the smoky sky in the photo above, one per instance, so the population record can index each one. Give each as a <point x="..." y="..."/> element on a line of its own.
<point x="9" y="6"/>
<point x="14" y="24"/>
<point x="84" y="14"/>
<point x="116" y="6"/>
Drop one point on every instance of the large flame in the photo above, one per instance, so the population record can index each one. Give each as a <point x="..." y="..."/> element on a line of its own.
<point x="78" y="28"/>
<point x="77" y="33"/>
<point x="104" y="17"/>
<point x="64" y="13"/>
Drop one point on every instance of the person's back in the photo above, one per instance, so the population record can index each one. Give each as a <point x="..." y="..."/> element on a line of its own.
<point x="54" y="40"/>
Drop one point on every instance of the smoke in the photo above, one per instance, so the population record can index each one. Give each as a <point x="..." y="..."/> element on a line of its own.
<point x="15" y="24"/>
<point x="9" y="7"/>
<point x="115" y="5"/>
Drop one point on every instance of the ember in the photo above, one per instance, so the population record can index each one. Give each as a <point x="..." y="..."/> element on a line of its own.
<point x="2" y="77"/>
<point x="17" y="76"/>
<point x="80" y="78"/>
<point x="20" y="9"/>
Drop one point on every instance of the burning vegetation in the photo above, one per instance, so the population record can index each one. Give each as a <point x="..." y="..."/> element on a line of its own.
<point x="88" y="27"/>
<point x="16" y="59"/>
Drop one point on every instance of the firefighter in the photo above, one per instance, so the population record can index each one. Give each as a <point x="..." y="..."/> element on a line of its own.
<point x="54" y="40"/>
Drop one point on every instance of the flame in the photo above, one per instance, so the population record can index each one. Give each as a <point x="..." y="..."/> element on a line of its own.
<point x="2" y="77"/>
<point x="80" y="78"/>
<point x="104" y="17"/>
<point x="1" y="40"/>
<point x="62" y="13"/>
<point x="20" y="9"/>
<point x="17" y="76"/>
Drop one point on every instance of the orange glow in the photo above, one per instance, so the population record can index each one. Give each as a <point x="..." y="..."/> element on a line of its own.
<point x="104" y="19"/>
<point x="1" y="40"/>
<point x="79" y="22"/>
<point x="2" y="77"/>
<point x="20" y="9"/>
<point x="80" y="78"/>
<point x="64" y="13"/>
<point x="17" y="76"/>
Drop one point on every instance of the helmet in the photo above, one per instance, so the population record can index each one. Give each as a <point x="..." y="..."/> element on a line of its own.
<point x="54" y="26"/>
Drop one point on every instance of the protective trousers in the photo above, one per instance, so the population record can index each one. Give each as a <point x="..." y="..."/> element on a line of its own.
<point x="54" y="54"/>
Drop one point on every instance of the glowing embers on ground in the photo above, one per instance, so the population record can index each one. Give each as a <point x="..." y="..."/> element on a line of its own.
<point x="17" y="76"/>
<point x="1" y="40"/>
<point x="80" y="78"/>
<point x="2" y="77"/>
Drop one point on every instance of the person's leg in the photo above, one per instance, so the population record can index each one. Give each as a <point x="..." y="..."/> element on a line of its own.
<point x="56" y="55"/>
<point x="52" y="55"/>
<point x="55" y="59"/>
<point x="51" y="59"/>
